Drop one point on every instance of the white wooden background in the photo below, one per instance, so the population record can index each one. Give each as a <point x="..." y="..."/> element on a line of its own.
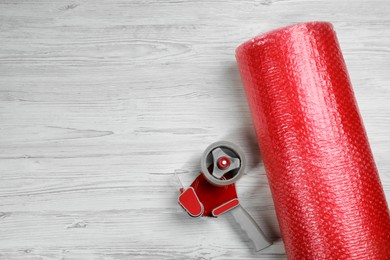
<point x="101" y="101"/>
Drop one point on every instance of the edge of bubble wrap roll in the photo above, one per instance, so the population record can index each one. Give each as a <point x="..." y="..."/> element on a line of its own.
<point x="260" y="39"/>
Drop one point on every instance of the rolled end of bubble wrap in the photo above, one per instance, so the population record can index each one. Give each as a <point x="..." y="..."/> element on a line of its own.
<point x="328" y="197"/>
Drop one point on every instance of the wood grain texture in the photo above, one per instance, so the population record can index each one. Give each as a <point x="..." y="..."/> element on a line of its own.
<point x="101" y="101"/>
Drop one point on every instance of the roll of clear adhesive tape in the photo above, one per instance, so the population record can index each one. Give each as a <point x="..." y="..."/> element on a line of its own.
<point x="328" y="197"/>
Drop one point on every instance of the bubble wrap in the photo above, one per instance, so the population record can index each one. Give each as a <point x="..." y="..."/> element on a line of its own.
<point x="327" y="193"/>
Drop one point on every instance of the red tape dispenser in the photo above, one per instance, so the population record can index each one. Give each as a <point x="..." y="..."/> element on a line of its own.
<point x="213" y="192"/>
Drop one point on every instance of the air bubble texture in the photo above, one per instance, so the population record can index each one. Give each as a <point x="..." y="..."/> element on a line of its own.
<point x="326" y="189"/>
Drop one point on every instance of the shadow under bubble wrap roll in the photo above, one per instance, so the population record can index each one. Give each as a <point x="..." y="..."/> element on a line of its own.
<point x="327" y="193"/>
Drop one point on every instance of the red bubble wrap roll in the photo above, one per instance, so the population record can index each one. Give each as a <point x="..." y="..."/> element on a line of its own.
<point x="327" y="193"/>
